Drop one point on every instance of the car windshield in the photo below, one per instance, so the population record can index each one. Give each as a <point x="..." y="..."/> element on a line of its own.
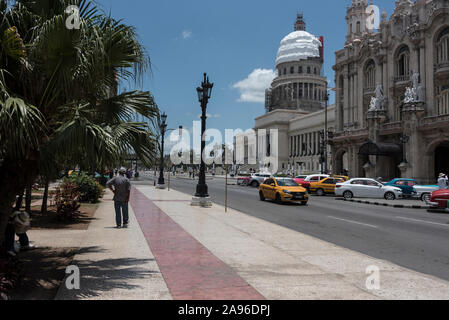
<point x="287" y="183"/>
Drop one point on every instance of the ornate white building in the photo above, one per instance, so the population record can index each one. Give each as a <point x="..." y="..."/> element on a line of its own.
<point x="392" y="93"/>
<point x="295" y="103"/>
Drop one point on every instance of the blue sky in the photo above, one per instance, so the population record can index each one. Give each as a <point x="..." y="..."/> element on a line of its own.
<point x="228" y="40"/>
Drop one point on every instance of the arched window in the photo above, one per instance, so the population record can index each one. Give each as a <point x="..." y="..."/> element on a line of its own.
<point x="308" y="70"/>
<point x="403" y="63"/>
<point x="358" y="30"/>
<point x="285" y="71"/>
<point x="443" y="46"/>
<point x="292" y="70"/>
<point x="443" y="100"/>
<point x="370" y="75"/>
<point x="300" y="69"/>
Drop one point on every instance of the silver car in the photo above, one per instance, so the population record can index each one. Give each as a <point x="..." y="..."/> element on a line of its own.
<point x="258" y="178"/>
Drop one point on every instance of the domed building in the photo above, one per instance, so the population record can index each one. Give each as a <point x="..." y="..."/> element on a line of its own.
<point x="295" y="115"/>
<point x="299" y="84"/>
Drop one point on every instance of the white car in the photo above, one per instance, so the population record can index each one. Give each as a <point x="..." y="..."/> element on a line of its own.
<point x="425" y="192"/>
<point x="367" y="188"/>
<point x="258" y="178"/>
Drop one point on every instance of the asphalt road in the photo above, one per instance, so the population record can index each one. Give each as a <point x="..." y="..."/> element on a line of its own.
<point x="411" y="238"/>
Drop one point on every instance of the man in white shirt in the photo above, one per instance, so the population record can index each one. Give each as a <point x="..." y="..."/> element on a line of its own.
<point x="442" y="181"/>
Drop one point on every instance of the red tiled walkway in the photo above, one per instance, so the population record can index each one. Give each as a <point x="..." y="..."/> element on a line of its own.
<point x="191" y="272"/>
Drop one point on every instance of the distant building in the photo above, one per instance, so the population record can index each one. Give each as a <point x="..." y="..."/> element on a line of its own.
<point x="295" y="104"/>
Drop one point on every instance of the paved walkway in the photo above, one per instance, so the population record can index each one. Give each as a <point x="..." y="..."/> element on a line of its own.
<point x="175" y="251"/>
<point x="114" y="263"/>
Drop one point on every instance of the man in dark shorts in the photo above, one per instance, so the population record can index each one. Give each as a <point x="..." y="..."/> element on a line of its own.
<point x="122" y="190"/>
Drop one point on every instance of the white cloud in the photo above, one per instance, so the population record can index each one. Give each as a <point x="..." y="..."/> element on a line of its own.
<point x="252" y="89"/>
<point x="186" y="34"/>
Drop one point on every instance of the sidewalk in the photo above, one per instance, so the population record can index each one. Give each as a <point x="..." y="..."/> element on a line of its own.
<point x="115" y="263"/>
<point x="174" y="251"/>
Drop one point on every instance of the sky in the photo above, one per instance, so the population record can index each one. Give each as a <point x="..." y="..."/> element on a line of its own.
<point x="234" y="41"/>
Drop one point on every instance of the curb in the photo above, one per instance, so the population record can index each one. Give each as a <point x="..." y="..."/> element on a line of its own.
<point x="374" y="203"/>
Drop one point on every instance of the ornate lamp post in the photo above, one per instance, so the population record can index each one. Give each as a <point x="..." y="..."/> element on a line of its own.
<point x="201" y="197"/>
<point x="326" y="134"/>
<point x="161" y="181"/>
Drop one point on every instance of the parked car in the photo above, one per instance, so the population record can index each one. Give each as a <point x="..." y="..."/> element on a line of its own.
<point x="367" y="188"/>
<point x="344" y="178"/>
<point x="439" y="200"/>
<point x="243" y="179"/>
<point x="258" y="178"/>
<point x="283" y="190"/>
<point x="312" y="178"/>
<point x="325" y="186"/>
<point x="410" y="188"/>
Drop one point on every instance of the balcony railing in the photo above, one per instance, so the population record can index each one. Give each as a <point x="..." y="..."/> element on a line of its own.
<point x="369" y="89"/>
<point x="435" y="119"/>
<point x="392" y="126"/>
<point x="404" y="78"/>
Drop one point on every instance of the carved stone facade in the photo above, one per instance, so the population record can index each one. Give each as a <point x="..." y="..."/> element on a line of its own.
<point x="392" y="93"/>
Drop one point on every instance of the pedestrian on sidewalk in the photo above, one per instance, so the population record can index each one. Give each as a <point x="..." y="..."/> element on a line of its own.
<point x="18" y="224"/>
<point x="442" y="181"/>
<point x="122" y="191"/>
<point x="190" y="172"/>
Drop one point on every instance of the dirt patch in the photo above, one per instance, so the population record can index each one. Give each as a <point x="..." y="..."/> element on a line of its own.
<point x="50" y="220"/>
<point x="44" y="272"/>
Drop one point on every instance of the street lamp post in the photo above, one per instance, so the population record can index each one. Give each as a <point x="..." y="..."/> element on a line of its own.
<point x="161" y="181"/>
<point x="326" y="134"/>
<point x="201" y="197"/>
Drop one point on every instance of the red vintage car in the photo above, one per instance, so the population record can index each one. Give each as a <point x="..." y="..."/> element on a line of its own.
<point x="439" y="200"/>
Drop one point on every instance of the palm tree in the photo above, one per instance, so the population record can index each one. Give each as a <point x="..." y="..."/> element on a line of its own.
<point x="58" y="93"/>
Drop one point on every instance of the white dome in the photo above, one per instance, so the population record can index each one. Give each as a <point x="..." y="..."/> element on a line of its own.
<point x="298" y="45"/>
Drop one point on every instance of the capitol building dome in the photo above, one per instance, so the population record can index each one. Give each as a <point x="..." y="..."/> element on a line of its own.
<point x="299" y="84"/>
<point x="298" y="45"/>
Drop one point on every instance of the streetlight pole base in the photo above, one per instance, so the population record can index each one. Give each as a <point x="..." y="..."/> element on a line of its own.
<point x="201" y="202"/>
<point x="161" y="186"/>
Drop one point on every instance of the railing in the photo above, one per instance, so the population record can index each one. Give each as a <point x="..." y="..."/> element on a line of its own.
<point x="350" y="133"/>
<point x="442" y="65"/>
<point x="392" y="126"/>
<point x="435" y="119"/>
<point x="369" y="89"/>
<point x="404" y="78"/>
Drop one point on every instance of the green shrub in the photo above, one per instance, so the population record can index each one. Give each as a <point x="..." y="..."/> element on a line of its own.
<point x="90" y="190"/>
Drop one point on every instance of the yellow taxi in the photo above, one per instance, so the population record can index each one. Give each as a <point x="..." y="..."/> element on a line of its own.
<point x="325" y="186"/>
<point x="283" y="190"/>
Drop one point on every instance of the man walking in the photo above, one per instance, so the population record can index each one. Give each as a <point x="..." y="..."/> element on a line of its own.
<point x="121" y="190"/>
<point x="442" y="181"/>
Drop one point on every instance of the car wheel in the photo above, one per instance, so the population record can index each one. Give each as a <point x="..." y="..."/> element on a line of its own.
<point x="348" y="195"/>
<point x="261" y="196"/>
<point x="255" y="184"/>
<point x="426" y="197"/>
<point x="304" y="203"/>
<point x="390" y="196"/>
<point x="278" y="199"/>
<point x="320" y="192"/>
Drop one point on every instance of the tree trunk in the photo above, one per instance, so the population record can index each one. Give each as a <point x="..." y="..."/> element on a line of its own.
<point x="19" y="201"/>
<point x="14" y="175"/>
<point x="45" y="199"/>
<point x="28" y="199"/>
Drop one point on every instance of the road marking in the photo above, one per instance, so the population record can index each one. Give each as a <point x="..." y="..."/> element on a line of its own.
<point x="429" y="222"/>
<point x="355" y="222"/>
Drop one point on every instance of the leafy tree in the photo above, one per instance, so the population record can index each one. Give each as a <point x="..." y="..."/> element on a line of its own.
<point x="58" y="93"/>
